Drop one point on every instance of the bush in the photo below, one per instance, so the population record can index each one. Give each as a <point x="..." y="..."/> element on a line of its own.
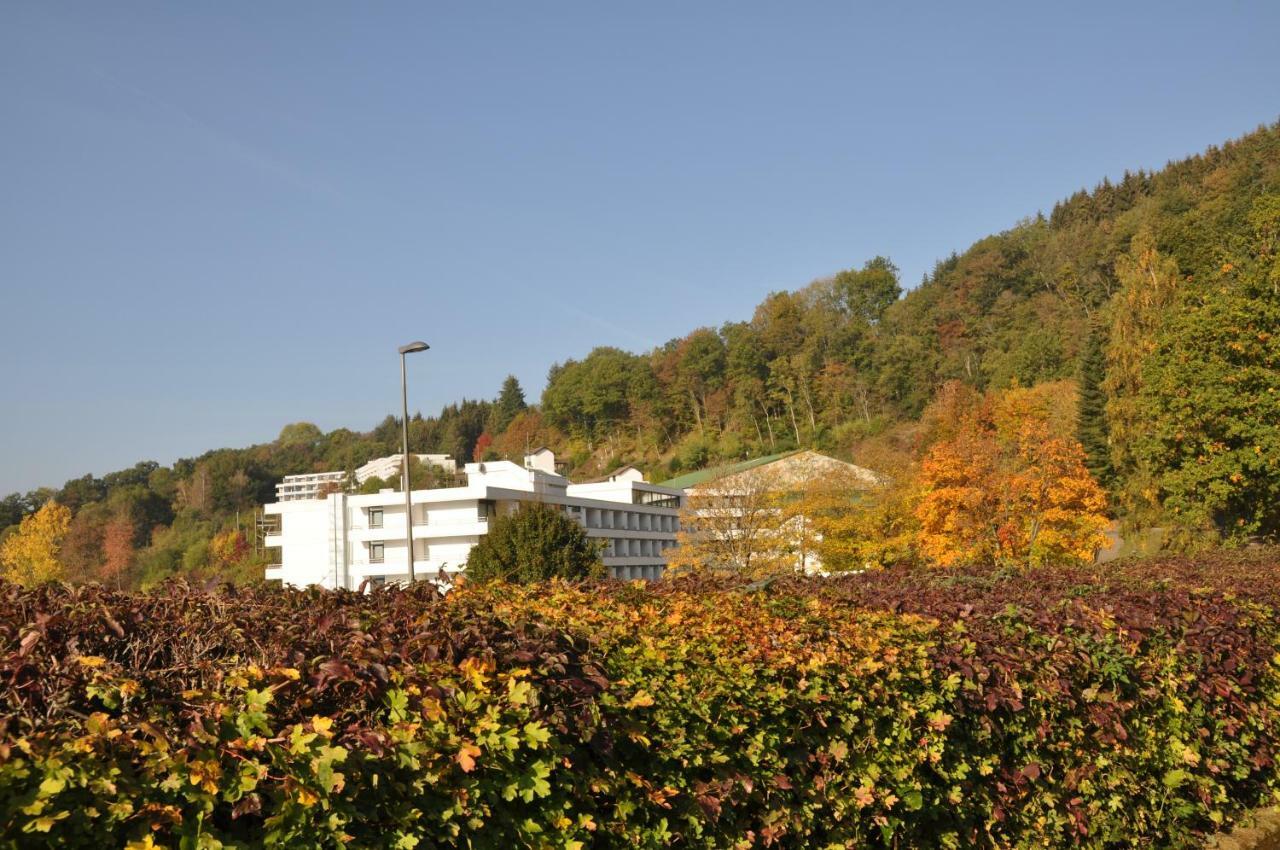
<point x="534" y="543"/>
<point x="1131" y="706"/>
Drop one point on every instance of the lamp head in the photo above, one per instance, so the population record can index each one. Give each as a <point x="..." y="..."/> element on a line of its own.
<point x="413" y="346"/>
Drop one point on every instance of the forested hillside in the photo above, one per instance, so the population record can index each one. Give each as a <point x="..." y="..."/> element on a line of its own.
<point x="1157" y="296"/>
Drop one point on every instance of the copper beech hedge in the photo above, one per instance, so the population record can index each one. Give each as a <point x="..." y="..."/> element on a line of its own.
<point x="1130" y="705"/>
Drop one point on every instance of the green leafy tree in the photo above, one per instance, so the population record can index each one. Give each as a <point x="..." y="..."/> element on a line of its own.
<point x="1150" y="285"/>
<point x="1210" y="398"/>
<point x="535" y="543"/>
<point x="299" y="434"/>
<point x="866" y="293"/>
<point x="590" y="396"/>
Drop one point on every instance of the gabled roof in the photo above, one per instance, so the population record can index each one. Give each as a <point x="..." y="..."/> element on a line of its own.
<point x="609" y="476"/>
<point x="693" y="479"/>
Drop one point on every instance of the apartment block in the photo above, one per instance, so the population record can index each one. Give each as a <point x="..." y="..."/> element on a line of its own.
<point x="339" y="539"/>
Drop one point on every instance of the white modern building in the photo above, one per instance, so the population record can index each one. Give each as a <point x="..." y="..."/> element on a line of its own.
<point x="316" y="485"/>
<point x="341" y="539"/>
<point x="311" y="486"/>
<point x="388" y="468"/>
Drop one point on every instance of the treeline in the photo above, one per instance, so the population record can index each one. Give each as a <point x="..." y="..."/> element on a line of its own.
<point x="197" y="517"/>
<point x="1157" y="295"/>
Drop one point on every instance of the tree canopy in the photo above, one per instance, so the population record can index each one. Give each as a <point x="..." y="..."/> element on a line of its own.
<point x="534" y="543"/>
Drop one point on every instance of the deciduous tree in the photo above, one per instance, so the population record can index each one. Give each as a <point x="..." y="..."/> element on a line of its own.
<point x="117" y="550"/>
<point x="1209" y="398"/>
<point x="31" y="555"/>
<point x="534" y="543"/>
<point x="1007" y="489"/>
<point x="733" y="523"/>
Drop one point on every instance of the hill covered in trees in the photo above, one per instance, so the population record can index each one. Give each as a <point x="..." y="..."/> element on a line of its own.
<point x="1153" y="302"/>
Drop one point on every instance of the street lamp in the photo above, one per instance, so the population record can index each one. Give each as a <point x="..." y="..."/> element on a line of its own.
<point x="404" y="464"/>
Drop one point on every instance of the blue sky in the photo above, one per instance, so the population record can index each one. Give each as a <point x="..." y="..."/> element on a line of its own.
<point x="220" y="218"/>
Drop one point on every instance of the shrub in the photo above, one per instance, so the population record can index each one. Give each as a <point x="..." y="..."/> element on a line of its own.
<point x="1133" y="706"/>
<point x="534" y="543"/>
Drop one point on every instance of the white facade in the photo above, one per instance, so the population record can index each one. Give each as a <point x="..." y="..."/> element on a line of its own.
<point x="343" y="539"/>
<point x="310" y="486"/>
<point x="315" y="485"/>
<point x="388" y="468"/>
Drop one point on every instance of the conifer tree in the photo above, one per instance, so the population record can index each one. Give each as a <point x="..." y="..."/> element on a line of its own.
<point x="1092" y="431"/>
<point x="509" y="404"/>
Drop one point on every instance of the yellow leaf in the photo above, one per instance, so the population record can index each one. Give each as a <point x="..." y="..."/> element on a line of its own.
<point x="642" y="699"/>
<point x="92" y="660"/>
<point x="466" y="757"/>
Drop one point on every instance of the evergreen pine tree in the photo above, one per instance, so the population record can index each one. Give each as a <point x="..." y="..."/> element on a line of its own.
<point x="510" y="402"/>
<point x="1091" y="428"/>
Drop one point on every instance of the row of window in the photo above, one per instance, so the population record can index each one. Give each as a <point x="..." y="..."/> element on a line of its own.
<point x="601" y="518"/>
<point x="378" y="551"/>
<point x="626" y="547"/>
<point x="604" y="518"/>
<point x="484" y="509"/>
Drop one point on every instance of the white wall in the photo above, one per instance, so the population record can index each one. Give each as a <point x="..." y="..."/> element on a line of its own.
<point x="327" y="542"/>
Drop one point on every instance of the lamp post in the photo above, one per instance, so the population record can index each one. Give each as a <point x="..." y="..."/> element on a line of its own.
<point x="404" y="464"/>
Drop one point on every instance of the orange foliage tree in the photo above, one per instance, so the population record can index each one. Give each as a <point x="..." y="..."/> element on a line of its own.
<point x="1006" y="485"/>
<point x="117" y="549"/>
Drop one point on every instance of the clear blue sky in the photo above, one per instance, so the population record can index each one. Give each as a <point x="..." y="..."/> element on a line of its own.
<point x="219" y="218"/>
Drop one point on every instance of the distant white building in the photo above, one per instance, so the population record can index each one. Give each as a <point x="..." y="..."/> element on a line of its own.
<point x="342" y="539"/>
<point x="311" y="486"/>
<point x="316" y="485"/>
<point x="388" y="468"/>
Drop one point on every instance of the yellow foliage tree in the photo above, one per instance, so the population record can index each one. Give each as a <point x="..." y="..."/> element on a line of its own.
<point x="30" y="556"/>
<point x="733" y="524"/>
<point x="1149" y="288"/>
<point x="836" y="521"/>
<point x="1006" y="487"/>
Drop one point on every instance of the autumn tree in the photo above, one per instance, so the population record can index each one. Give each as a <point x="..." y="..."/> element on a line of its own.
<point x="482" y="450"/>
<point x="117" y="550"/>
<point x="874" y="527"/>
<point x="733" y="523"/>
<point x="1006" y="488"/>
<point x="829" y="524"/>
<point x="30" y="556"/>
<point x="1149" y="284"/>
<point x="525" y="432"/>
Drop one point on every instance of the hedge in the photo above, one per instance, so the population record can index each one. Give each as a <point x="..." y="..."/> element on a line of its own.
<point x="1122" y="706"/>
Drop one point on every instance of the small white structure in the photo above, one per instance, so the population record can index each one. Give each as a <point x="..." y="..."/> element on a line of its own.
<point x="342" y="539"/>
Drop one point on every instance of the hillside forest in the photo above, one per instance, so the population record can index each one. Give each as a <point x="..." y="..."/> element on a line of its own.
<point x="1128" y="341"/>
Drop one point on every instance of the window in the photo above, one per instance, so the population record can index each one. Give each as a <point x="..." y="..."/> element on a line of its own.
<point x="376" y="551"/>
<point x="485" y="509"/>
<point x="657" y="500"/>
<point x="375" y="517"/>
